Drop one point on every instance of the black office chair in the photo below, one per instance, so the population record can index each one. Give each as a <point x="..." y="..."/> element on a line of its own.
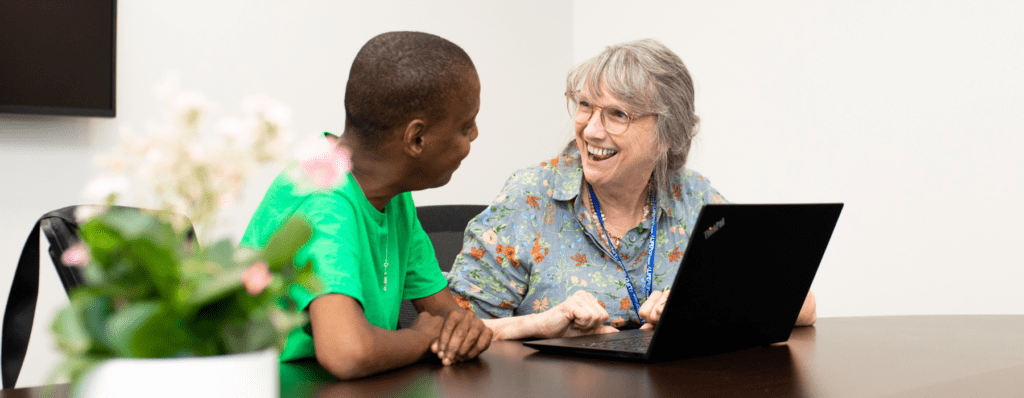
<point x="61" y="229"/>
<point x="445" y="225"/>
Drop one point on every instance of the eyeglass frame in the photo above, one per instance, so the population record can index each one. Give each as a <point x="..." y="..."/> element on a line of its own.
<point x="570" y="97"/>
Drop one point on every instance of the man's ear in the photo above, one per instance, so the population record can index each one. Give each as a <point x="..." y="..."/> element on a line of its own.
<point x="413" y="136"/>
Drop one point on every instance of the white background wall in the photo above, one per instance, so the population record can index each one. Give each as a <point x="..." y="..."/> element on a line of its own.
<point x="909" y="112"/>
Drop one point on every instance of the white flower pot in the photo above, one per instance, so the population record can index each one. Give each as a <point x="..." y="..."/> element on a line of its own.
<point x="254" y="374"/>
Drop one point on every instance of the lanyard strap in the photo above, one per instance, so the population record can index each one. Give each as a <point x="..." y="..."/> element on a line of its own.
<point x="649" y="277"/>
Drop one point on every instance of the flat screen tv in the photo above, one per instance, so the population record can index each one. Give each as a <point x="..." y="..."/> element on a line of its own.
<point x="57" y="57"/>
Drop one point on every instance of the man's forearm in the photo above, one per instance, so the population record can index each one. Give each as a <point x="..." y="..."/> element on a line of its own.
<point x="384" y="350"/>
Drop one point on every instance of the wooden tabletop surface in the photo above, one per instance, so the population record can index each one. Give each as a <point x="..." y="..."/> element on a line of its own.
<point x="897" y="356"/>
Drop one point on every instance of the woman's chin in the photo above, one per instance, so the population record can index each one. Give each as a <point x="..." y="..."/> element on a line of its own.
<point x="596" y="173"/>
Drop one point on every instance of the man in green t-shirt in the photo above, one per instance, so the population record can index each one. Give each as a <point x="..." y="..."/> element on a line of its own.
<point x="410" y="111"/>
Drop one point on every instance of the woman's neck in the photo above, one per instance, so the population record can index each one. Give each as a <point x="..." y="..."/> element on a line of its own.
<point x="622" y="205"/>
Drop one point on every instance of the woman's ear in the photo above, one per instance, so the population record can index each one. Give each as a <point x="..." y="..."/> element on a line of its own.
<point x="413" y="136"/>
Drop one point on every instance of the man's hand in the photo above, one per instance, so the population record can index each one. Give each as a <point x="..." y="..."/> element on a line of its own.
<point x="428" y="325"/>
<point x="580" y="314"/>
<point x="463" y="337"/>
<point x="651" y="309"/>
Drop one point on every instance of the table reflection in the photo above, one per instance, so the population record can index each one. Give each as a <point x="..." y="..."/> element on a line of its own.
<point x="510" y="369"/>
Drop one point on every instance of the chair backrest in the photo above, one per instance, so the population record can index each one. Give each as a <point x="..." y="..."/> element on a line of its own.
<point x="61" y="229"/>
<point x="446" y="226"/>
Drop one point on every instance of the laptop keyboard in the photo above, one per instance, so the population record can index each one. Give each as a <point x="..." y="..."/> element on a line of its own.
<point x="638" y="344"/>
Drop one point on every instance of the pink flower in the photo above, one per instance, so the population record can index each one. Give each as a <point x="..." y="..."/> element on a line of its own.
<point x="256" y="278"/>
<point x="76" y="256"/>
<point x="325" y="164"/>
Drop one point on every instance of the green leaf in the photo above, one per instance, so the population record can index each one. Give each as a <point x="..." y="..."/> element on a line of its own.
<point x="207" y="290"/>
<point x="70" y="333"/>
<point x="104" y="242"/>
<point x="283" y="245"/>
<point x="249" y="335"/>
<point x="160" y="265"/>
<point x="124" y="326"/>
<point x="94" y="311"/>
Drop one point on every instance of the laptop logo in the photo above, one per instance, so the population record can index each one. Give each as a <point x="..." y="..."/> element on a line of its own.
<point x="714" y="228"/>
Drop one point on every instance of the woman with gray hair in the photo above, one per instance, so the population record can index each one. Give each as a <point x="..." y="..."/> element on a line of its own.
<point x="590" y="240"/>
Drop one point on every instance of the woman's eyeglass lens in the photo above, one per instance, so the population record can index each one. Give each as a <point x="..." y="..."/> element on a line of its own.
<point x="615" y="120"/>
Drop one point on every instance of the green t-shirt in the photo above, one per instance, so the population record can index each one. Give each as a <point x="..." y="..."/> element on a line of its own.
<point x="347" y="251"/>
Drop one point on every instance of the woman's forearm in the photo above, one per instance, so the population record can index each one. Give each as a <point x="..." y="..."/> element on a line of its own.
<point x="513" y="327"/>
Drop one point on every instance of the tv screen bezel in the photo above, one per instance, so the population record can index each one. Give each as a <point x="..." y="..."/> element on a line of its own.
<point x="88" y="112"/>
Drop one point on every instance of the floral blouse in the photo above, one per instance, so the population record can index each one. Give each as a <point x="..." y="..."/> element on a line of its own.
<point x="537" y="244"/>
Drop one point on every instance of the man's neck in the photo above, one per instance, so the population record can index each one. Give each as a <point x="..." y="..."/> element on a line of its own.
<point x="377" y="175"/>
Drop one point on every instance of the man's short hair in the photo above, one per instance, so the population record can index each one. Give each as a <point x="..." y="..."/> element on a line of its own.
<point x="397" y="75"/>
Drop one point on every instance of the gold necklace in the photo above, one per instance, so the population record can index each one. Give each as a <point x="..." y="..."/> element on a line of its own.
<point x="592" y="214"/>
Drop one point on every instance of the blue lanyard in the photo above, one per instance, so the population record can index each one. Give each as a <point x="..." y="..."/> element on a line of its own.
<point x="649" y="277"/>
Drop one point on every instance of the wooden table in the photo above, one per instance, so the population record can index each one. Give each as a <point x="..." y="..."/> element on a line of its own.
<point x="899" y="356"/>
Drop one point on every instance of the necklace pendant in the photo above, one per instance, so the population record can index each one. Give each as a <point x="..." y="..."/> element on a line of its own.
<point x="385" y="283"/>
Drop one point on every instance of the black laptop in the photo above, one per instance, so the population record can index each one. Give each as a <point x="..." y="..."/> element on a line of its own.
<point x="741" y="283"/>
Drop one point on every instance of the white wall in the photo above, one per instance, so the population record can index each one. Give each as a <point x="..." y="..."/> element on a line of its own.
<point x="299" y="53"/>
<point x="907" y="111"/>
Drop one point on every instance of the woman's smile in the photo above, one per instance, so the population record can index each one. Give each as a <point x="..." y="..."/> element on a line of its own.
<point x="598" y="154"/>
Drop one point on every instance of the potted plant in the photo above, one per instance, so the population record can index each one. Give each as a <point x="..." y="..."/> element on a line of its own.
<point x="160" y="313"/>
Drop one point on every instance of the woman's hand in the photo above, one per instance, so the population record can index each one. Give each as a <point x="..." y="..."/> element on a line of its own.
<point x="580" y="314"/>
<point x="651" y="309"/>
<point x="808" y="313"/>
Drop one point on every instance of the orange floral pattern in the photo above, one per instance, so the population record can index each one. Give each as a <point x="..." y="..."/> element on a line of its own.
<point x="675" y="255"/>
<point x="541" y="305"/>
<point x="538" y="256"/>
<point x="532" y="201"/>
<point x="477" y="253"/>
<point x="579" y="258"/>
<point x="463" y="302"/>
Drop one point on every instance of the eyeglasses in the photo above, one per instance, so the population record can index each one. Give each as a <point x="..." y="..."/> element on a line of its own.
<point x="615" y="120"/>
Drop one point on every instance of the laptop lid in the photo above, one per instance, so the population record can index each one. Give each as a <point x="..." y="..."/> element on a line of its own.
<point x="744" y="276"/>
<point x="741" y="283"/>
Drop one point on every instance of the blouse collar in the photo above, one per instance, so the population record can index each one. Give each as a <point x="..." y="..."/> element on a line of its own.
<point x="568" y="178"/>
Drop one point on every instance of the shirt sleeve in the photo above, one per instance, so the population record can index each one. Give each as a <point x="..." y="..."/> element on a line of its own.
<point x="423" y="276"/>
<point x="489" y="276"/>
<point x="333" y="250"/>
<point x="703" y="189"/>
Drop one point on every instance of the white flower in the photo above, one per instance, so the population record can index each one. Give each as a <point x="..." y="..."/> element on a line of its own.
<point x="271" y="110"/>
<point x="84" y="213"/>
<point x="103" y="189"/>
<point x="179" y="168"/>
<point x="243" y="134"/>
<point x="189" y="107"/>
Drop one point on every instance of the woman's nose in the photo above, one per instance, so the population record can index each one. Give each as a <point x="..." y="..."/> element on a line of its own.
<point x="595" y="125"/>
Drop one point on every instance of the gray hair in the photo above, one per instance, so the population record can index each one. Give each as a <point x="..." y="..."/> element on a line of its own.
<point x="649" y="78"/>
